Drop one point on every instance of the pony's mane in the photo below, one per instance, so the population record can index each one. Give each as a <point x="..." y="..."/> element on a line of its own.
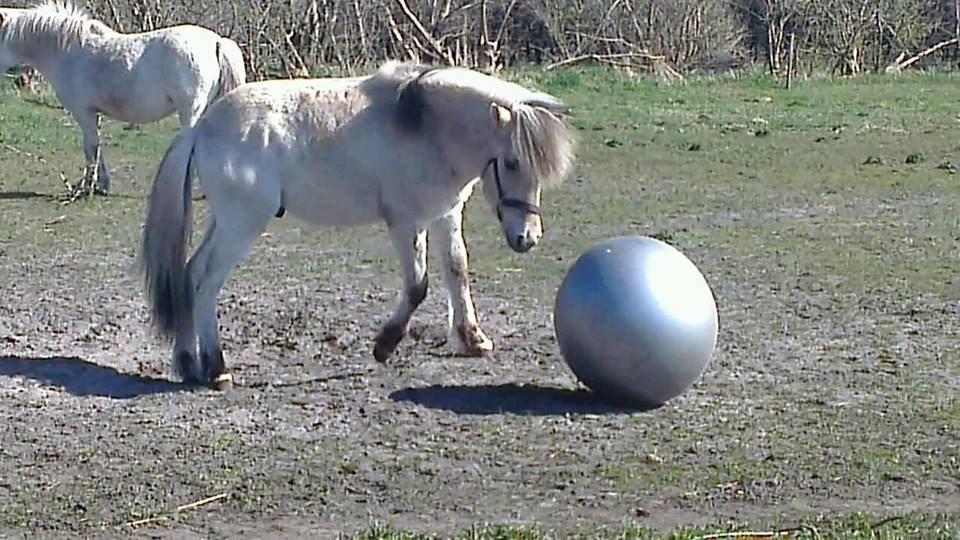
<point x="55" y="22"/>
<point x="542" y="140"/>
<point x="389" y="83"/>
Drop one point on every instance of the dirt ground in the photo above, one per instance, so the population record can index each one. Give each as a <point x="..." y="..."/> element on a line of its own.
<point x="833" y="389"/>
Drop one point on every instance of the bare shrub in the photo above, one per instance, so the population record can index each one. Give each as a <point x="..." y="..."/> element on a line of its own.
<point x="292" y="38"/>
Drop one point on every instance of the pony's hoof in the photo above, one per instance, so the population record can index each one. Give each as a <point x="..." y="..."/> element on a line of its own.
<point x="222" y="382"/>
<point x="380" y="354"/>
<point x="185" y="366"/>
<point x="472" y="342"/>
<point x="485" y="348"/>
<point x="387" y="342"/>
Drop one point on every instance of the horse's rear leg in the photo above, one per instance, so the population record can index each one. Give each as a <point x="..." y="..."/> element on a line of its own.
<point x="185" y="361"/>
<point x="190" y="114"/>
<point x="96" y="164"/>
<point x="411" y="247"/>
<point x="225" y="245"/>
<point x="465" y="334"/>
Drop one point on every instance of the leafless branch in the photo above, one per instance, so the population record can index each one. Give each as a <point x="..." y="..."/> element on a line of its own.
<point x="422" y="33"/>
<point x="901" y="65"/>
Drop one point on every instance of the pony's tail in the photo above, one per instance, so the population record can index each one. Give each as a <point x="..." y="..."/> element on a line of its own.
<point x="166" y="234"/>
<point x="233" y="72"/>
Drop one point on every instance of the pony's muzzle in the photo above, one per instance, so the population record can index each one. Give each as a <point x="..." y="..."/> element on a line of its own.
<point x="524" y="243"/>
<point x="523" y="235"/>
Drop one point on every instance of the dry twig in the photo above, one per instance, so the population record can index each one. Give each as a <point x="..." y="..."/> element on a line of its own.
<point x="177" y="510"/>
<point x="601" y="58"/>
<point x="763" y="535"/>
<point x="900" y="64"/>
<point x="624" y="60"/>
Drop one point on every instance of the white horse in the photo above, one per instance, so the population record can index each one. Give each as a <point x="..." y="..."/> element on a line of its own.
<point x="404" y="146"/>
<point x="135" y="78"/>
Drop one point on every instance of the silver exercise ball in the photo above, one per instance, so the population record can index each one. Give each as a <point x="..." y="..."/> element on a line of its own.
<point x="635" y="320"/>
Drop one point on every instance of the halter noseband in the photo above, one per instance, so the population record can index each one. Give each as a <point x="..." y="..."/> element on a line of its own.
<point x="507" y="202"/>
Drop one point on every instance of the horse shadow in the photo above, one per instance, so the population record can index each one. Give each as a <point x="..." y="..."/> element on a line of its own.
<point x="43" y="103"/>
<point x="81" y="378"/>
<point x="65" y="196"/>
<point x="20" y="195"/>
<point x="519" y="399"/>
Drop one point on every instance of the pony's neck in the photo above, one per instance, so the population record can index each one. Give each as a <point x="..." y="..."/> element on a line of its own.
<point x="44" y="59"/>
<point x="469" y="146"/>
<point x="43" y="44"/>
<point x="469" y="161"/>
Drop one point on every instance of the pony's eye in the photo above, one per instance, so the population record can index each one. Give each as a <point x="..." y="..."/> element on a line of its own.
<point x="512" y="164"/>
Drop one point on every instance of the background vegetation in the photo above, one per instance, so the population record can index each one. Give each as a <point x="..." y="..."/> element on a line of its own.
<point x="672" y="37"/>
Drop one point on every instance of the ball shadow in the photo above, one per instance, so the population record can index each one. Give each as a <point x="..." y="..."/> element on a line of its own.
<point x="81" y="378"/>
<point x="523" y="400"/>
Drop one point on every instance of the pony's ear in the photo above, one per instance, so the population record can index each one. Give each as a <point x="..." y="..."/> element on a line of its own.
<point x="551" y="105"/>
<point x="501" y="115"/>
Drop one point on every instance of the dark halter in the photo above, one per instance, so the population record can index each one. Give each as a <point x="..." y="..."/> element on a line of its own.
<point x="503" y="202"/>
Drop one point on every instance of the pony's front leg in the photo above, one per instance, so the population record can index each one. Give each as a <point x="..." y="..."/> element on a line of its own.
<point x="464" y="333"/>
<point x="95" y="172"/>
<point x="411" y="247"/>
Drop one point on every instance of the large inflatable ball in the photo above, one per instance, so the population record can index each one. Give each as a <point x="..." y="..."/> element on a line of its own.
<point x="636" y="320"/>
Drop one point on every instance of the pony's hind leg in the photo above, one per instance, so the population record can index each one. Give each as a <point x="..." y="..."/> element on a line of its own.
<point x="186" y="363"/>
<point x="411" y="247"/>
<point x="190" y="115"/>
<point x="184" y="359"/>
<point x="95" y="175"/>
<point x="464" y="334"/>
<point x="225" y="245"/>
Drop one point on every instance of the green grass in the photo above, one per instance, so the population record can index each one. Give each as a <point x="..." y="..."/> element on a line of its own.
<point x="856" y="526"/>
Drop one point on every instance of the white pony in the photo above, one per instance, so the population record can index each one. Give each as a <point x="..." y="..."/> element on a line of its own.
<point x="404" y="146"/>
<point x="135" y="78"/>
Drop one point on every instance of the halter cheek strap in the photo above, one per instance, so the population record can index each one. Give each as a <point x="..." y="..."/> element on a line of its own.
<point x="506" y="202"/>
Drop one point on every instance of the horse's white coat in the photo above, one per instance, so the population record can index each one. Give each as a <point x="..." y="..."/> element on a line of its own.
<point x="405" y="146"/>
<point x="136" y="78"/>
